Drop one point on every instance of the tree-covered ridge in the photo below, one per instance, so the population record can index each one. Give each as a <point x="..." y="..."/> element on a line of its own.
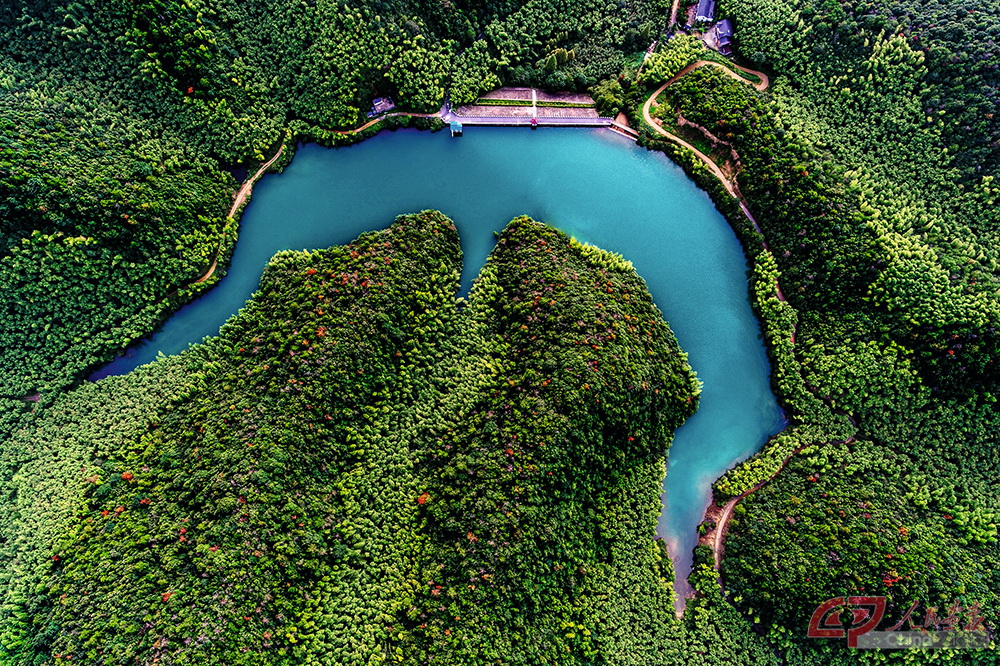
<point x="319" y="483"/>
<point x="901" y="101"/>
<point x="547" y="461"/>
<point x="277" y="472"/>
<point x="863" y="55"/>
<point x="885" y="347"/>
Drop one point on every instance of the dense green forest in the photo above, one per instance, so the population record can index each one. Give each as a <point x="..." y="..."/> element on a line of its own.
<point x="119" y="119"/>
<point x="464" y="491"/>
<point x="359" y="469"/>
<point x="869" y="166"/>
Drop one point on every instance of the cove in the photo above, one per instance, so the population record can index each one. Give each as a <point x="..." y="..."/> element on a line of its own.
<point x="593" y="184"/>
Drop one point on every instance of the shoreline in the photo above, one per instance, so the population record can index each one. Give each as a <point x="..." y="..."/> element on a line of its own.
<point x="242" y="195"/>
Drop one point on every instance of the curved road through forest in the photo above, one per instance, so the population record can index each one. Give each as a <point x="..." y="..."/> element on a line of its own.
<point x="247" y="187"/>
<point x="722" y="523"/>
<point x="712" y="166"/>
<point x="241" y="196"/>
<point x="721" y="529"/>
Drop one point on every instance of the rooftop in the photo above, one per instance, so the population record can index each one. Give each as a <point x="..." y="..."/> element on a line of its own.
<point x="381" y="105"/>
<point x="706" y="11"/>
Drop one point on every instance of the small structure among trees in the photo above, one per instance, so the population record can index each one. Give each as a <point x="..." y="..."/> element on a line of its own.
<point x="724" y="33"/>
<point x="381" y="105"/>
<point x="706" y="11"/>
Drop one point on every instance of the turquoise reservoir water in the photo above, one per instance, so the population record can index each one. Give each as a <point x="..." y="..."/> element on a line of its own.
<point x="594" y="185"/>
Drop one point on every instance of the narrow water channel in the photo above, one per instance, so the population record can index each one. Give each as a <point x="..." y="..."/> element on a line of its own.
<point x="592" y="184"/>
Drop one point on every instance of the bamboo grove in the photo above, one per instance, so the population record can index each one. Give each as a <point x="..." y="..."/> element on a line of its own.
<point x="121" y="122"/>
<point x="360" y="469"/>
<point x="478" y="483"/>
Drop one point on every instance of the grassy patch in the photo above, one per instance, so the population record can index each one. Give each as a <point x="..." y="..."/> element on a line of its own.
<point x="527" y="102"/>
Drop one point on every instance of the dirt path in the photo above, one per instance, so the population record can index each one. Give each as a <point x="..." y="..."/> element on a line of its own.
<point x="436" y="114"/>
<point x="722" y="522"/>
<point x="712" y="166"/>
<point x="241" y="196"/>
<point x="244" y="191"/>
<point x="247" y="187"/>
<point x="764" y="83"/>
<point x="717" y="540"/>
<point x="729" y="184"/>
<point x="717" y="535"/>
<point x="673" y="13"/>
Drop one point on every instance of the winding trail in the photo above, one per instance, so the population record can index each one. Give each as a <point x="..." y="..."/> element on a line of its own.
<point x="436" y="114"/>
<point x="722" y="521"/>
<point x="241" y="196"/>
<point x="762" y="85"/>
<point x="712" y="166"/>
<point x="247" y="188"/>
<point x="238" y="200"/>
<point x="717" y="535"/>
<point x="729" y="184"/>
<point x="244" y="191"/>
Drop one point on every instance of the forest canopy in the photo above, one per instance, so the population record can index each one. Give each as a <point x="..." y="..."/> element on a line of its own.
<point x="358" y="469"/>
<point x="479" y="483"/>
<point x="119" y="121"/>
<point x="867" y="165"/>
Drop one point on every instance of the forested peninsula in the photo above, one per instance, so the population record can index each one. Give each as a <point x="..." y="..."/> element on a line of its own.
<point x="153" y="518"/>
<point x="362" y="468"/>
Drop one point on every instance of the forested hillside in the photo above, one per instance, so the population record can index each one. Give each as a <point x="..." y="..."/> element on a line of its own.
<point x="358" y="470"/>
<point x="869" y="166"/>
<point x="361" y="470"/>
<point x="547" y="462"/>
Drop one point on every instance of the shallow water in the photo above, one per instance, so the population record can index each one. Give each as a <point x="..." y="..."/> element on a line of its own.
<point x="592" y="184"/>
